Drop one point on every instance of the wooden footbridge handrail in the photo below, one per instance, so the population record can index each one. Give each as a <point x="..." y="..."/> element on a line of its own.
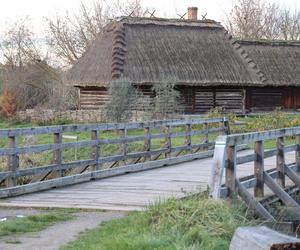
<point x="197" y="143"/>
<point x="226" y="161"/>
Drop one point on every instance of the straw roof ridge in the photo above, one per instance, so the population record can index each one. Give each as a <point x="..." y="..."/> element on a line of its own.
<point x="268" y="42"/>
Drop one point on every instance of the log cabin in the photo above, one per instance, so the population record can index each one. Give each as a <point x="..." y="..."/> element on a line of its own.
<point x="209" y="67"/>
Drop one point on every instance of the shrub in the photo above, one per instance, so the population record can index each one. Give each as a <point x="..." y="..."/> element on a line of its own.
<point x="8" y="105"/>
<point x="167" y="100"/>
<point x="122" y="100"/>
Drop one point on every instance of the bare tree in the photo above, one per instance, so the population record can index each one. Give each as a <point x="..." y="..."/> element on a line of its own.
<point x="18" y="45"/>
<point x="70" y="35"/>
<point x="26" y="71"/>
<point x="289" y="24"/>
<point x="259" y="19"/>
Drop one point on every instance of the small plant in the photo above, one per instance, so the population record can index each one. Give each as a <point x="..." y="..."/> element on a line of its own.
<point x="167" y="100"/>
<point x="122" y="100"/>
<point x="273" y="120"/>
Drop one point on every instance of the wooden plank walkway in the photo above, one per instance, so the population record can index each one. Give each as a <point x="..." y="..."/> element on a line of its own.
<point x="134" y="191"/>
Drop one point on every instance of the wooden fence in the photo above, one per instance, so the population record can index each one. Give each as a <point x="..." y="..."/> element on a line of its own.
<point x="226" y="160"/>
<point x="61" y="173"/>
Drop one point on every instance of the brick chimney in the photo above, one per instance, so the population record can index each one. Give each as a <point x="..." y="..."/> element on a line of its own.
<point x="192" y="13"/>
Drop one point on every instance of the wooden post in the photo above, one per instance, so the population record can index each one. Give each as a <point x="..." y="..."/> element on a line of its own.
<point x="57" y="154"/>
<point x="188" y="138"/>
<point x="280" y="162"/>
<point x="147" y="144"/>
<point x="224" y="127"/>
<point x="206" y="138"/>
<point x="13" y="162"/>
<point x="244" y="94"/>
<point x="168" y="141"/>
<point x="259" y="169"/>
<point x="298" y="152"/>
<point x="217" y="168"/>
<point x="230" y="173"/>
<point x="95" y="149"/>
<point x="124" y="145"/>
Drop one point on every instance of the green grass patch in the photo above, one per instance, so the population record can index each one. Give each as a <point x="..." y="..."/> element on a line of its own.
<point x="193" y="223"/>
<point x="33" y="223"/>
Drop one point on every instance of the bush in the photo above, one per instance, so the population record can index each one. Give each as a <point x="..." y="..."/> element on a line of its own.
<point x="8" y="105"/>
<point x="123" y="96"/>
<point x="166" y="101"/>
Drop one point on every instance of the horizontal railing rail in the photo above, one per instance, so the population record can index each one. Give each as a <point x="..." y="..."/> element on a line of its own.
<point x="226" y="161"/>
<point x="110" y="149"/>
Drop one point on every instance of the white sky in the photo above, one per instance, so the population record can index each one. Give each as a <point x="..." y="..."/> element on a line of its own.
<point x="39" y="9"/>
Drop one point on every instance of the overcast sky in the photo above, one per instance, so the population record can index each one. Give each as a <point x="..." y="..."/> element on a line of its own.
<point x="39" y="9"/>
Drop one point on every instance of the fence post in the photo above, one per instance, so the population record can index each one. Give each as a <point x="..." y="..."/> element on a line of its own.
<point x="13" y="162"/>
<point x="280" y="162"/>
<point x="217" y="169"/>
<point x="168" y="141"/>
<point x="124" y="145"/>
<point x="298" y="152"/>
<point x="226" y="127"/>
<point x="230" y="170"/>
<point x="57" y="153"/>
<point x="95" y="149"/>
<point x="147" y="144"/>
<point x="188" y="138"/>
<point x="259" y="169"/>
<point x="206" y="138"/>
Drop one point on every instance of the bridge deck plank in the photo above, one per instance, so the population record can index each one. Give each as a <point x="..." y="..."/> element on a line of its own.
<point x="134" y="191"/>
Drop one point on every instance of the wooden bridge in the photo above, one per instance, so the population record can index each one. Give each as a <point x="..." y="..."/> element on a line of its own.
<point x="178" y="157"/>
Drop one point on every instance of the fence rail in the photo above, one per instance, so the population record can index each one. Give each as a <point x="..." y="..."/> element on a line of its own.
<point x="197" y="144"/>
<point x="226" y="161"/>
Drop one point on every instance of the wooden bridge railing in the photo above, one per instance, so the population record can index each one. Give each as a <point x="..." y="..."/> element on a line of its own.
<point x="226" y="160"/>
<point x="120" y="160"/>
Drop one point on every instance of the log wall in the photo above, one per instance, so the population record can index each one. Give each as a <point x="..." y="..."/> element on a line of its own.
<point x="198" y="100"/>
<point x="92" y="98"/>
<point x="265" y="99"/>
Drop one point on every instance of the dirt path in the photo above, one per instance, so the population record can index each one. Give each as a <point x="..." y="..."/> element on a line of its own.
<point x="59" y="234"/>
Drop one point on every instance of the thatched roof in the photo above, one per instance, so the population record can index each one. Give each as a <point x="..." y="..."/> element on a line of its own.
<point x="278" y="60"/>
<point x="149" y="51"/>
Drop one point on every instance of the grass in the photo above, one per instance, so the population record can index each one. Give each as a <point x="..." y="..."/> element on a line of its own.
<point x="33" y="223"/>
<point x="192" y="223"/>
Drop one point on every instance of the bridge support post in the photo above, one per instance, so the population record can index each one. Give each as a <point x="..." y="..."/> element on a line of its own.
<point x="13" y="162"/>
<point x="259" y="169"/>
<point x="147" y="144"/>
<point x="206" y="138"/>
<point x="280" y="162"/>
<point x="168" y="144"/>
<point x="57" y="154"/>
<point x="95" y="149"/>
<point x="216" y="175"/>
<point x="230" y="170"/>
<point x="188" y="138"/>
<point x="298" y="152"/>
<point x="124" y="146"/>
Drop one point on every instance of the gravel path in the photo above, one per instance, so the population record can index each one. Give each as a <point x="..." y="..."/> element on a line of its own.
<point x="59" y="234"/>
